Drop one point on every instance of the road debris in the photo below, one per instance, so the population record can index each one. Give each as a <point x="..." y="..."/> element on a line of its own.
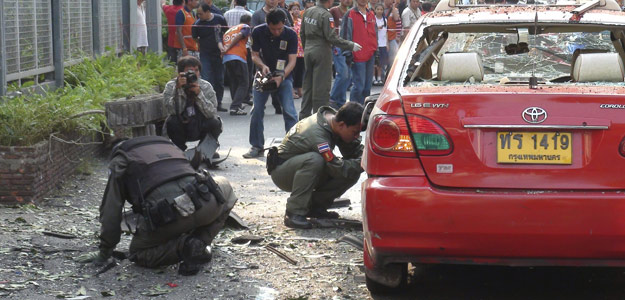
<point x="59" y="235"/>
<point x="336" y="223"/>
<point x="341" y="202"/>
<point x="252" y="239"/>
<point x="281" y="255"/>
<point x="356" y="242"/>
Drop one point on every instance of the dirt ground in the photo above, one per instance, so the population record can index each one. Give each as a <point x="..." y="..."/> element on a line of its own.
<point x="39" y="266"/>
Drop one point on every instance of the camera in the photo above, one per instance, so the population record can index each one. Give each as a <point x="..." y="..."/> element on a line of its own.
<point x="191" y="78"/>
<point x="265" y="83"/>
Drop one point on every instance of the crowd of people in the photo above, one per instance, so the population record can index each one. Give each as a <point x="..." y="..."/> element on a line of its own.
<point x="299" y="47"/>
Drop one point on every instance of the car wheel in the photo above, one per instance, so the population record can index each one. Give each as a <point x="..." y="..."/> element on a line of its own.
<point x="378" y="288"/>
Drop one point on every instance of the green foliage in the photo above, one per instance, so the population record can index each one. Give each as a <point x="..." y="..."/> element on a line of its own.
<point x="26" y="120"/>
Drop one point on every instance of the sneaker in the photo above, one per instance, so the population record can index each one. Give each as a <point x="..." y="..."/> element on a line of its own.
<point x="320" y="213"/>
<point x="220" y="108"/>
<point x="296" y="221"/>
<point x="237" y="112"/>
<point x="194" y="255"/>
<point x="254" y="152"/>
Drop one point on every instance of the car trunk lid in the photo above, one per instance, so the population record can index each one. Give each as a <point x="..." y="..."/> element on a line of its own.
<point x="516" y="138"/>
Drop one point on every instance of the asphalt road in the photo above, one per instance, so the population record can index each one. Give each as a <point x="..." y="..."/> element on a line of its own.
<point x="37" y="266"/>
<point x="460" y="281"/>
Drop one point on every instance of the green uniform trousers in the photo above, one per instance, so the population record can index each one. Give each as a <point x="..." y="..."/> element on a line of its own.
<point x="163" y="246"/>
<point x="317" y="81"/>
<point x="306" y="177"/>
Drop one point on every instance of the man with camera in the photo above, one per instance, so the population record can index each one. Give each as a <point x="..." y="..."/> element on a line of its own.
<point x="191" y="104"/>
<point x="274" y="51"/>
<point x="179" y="212"/>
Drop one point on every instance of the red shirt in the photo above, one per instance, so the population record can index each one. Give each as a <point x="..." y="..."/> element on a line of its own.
<point x="337" y="15"/>
<point x="361" y="31"/>
<point x="170" y="12"/>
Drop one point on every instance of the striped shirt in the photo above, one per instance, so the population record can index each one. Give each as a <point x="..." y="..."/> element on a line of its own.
<point x="233" y="16"/>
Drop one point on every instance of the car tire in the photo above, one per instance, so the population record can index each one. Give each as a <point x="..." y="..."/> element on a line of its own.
<point x="376" y="288"/>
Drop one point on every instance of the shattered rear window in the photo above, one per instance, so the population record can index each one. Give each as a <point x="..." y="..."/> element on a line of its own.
<point x="511" y="57"/>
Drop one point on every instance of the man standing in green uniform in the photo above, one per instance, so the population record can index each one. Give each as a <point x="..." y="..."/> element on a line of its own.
<point x="309" y="170"/>
<point x="179" y="211"/>
<point x="318" y="36"/>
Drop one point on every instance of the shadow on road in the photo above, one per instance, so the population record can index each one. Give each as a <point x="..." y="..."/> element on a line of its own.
<point x="488" y="282"/>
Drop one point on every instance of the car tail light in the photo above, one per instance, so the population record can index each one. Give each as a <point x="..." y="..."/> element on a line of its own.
<point x="621" y="147"/>
<point x="390" y="136"/>
<point x="429" y="137"/>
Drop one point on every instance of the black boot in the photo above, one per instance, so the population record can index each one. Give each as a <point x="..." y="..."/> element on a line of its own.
<point x="194" y="256"/>
<point x="296" y="221"/>
<point x="320" y="213"/>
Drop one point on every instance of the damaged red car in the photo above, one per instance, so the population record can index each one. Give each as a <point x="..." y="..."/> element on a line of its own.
<point x="499" y="139"/>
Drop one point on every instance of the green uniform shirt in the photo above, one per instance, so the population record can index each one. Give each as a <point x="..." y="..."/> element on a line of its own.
<point x="317" y="33"/>
<point x="311" y="135"/>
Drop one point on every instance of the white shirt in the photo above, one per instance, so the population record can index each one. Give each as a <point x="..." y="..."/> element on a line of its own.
<point x="381" y="31"/>
<point x="233" y="16"/>
<point x="142" y="29"/>
<point x="409" y="17"/>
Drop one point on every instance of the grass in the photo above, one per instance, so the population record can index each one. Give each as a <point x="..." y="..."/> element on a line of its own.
<point x="27" y="120"/>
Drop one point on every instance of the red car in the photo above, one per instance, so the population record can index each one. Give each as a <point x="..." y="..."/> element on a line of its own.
<point x="499" y="139"/>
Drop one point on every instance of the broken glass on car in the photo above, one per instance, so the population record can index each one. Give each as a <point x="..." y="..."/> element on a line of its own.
<point x="512" y="54"/>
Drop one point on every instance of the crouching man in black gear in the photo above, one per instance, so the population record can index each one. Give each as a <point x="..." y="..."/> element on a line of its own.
<point x="179" y="211"/>
<point x="191" y="104"/>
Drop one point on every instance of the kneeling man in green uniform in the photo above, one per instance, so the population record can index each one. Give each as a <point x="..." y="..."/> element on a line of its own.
<point x="179" y="211"/>
<point x="307" y="167"/>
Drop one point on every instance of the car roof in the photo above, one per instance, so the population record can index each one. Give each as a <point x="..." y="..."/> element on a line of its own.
<point x="604" y="12"/>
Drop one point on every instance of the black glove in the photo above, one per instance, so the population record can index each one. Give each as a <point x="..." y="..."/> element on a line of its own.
<point x="349" y="59"/>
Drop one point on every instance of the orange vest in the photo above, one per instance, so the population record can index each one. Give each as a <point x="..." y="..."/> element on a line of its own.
<point x="391" y="27"/>
<point x="189" y="42"/>
<point x="239" y="49"/>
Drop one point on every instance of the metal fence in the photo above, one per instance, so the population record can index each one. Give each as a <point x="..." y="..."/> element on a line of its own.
<point x="28" y="38"/>
<point x="110" y="25"/>
<point x="38" y="38"/>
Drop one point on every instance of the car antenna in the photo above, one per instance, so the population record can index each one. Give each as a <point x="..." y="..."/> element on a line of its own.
<point x="533" y="80"/>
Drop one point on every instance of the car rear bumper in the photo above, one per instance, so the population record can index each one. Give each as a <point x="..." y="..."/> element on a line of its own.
<point x="408" y="220"/>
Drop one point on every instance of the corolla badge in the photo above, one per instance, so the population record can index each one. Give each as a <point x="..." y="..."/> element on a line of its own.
<point x="534" y="115"/>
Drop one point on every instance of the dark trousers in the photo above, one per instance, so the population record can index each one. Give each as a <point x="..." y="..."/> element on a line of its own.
<point x="194" y="129"/>
<point x="213" y="72"/>
<point x="238" y="79"/>
<point x="172" y="54"/>
<point x="250" y="73"/>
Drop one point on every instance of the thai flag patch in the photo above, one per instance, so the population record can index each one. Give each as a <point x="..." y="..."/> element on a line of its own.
<point x="325" y="151"/>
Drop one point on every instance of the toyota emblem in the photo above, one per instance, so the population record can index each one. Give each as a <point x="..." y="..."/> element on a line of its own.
<point x="534" y="115"/>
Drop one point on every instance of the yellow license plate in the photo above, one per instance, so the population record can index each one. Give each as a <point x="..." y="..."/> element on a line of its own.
<point x="534" y="147"/>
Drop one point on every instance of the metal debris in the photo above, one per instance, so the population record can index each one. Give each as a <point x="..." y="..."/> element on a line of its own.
<point x="236" y="222"/>
<point x="59" y="235"/>
<point x="281" y="255"/>
<point x="353" y="241"/>
<point x="252" y="239"/>
<point x="341" y="202"/>
<point x="112" y="264"/>
<point x="336" y="223"/>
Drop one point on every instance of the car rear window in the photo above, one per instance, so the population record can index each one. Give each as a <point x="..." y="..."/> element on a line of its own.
<point x="510" y="56"/>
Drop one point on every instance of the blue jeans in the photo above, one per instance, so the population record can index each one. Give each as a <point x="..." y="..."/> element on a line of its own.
<point x="342" y="79"/>
<point x="213" y="72"/>
<point x="257" y="138"/>
<point x="362" y="75"/>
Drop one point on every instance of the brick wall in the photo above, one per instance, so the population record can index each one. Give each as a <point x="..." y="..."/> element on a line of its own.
<point x="27" y="174"/>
